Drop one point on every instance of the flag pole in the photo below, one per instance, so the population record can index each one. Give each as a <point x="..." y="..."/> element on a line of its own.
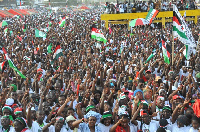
<point x="172" y="49"/>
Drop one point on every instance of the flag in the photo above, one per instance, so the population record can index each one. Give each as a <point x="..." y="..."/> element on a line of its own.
<point x="187" y="51"/>
<point x="62" y="22"/>
<point x="181" y="30"/>
<point x="49" y="48"/>
<point x="6" y="30"/>
<point x="151" y="15"/>
<point x="3" y="66"/>
<point x="96" y="34"/>
<point x="57" y="54"/>
<point x="39" y="33"/>
<point x="12" y="65"/>
<point x="24" y="28"/>
<point x="151" y="56"/>
<point x="49" y="24"/>
<point x="166" y="50"/>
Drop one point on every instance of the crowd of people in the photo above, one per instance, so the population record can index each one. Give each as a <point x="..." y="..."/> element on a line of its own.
<point x="95" y="86"/>
<point x="144" y="6"/>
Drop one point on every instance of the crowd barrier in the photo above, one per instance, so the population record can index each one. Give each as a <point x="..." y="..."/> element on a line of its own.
<point x="162" y="17"/>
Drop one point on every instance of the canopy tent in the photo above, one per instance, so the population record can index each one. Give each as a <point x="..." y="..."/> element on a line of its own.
<point x="6" y="13"/>
<point x="3" y="15"/>
<point x="14" y="12"/>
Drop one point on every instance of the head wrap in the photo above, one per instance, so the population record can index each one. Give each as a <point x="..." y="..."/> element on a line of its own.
<point x="93" y="113"/>
<point x="138" y="90"/>
<point x="90" y="107"/>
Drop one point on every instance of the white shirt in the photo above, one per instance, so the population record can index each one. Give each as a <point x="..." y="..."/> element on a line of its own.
<point x="104" y="128"/>
<point x="176" y="129"/>
<point x="193" y="130"/>
<point x="36" y="127"/>
<point x="52" y="129"/>
<point x="152" y="127"/>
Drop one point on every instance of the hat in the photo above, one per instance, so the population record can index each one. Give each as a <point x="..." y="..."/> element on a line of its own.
<point x="70" y="118"/>
<point x="160" y="98"/>
<point x="148" y="70"/>
<point x="18" y="110"/>
<point x="138" y="90"/>
<point x="167" y="107"/>
<point x="9" y="102"/>
<point x="7" y="107"/>
<point x="177" y="97"/>
<point x="59" y="118"/>
<point x="122" y="96"/>
<point x="157" y="78"/>
<point x="106" y="114"/>
<point x="14" y="87"/>
<point x="90" y="107"/>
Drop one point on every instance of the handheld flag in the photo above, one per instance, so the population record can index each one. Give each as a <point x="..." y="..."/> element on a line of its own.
<point x="57" y="53"/>
<point x="49" y="48"/>
<point x="96" y="34"/>
<point x="12" y="65"/>
<point x="181" y="30"/>
<point x="151" y="15"/>
<point x="39" y="33"/>
<point x="166" y="50"/>
<point x="62" y="22"/>
<point x="151" y="56"/>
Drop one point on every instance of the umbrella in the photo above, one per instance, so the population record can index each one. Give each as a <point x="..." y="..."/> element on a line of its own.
<point x="138" y="21"/>
<point x="5" y="23"/>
